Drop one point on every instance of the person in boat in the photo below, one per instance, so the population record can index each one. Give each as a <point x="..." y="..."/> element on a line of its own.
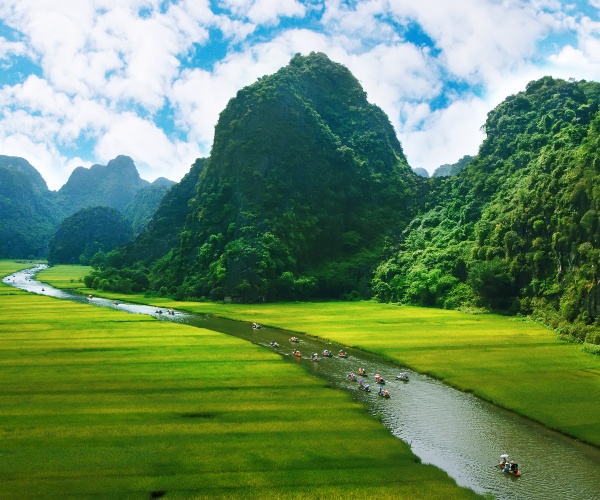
<point x="314" y="356"/>
<point x="362" y="371"/>
<point x="274" y="344"/>
<point x="256" y="326"/>
<point x="294" y="339"/>
<point x="171" y="312"/>
<point x="326" y="353"/>
<point x="342" y="354"/>
<point x="297" y="353"/>
<point x="351" y="377"/>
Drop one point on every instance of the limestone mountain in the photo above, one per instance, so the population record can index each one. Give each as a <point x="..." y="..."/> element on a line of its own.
<point x="114" y="185"/>
<point x="141" y="209"/>
<point x="518" y="229"/>
<point x="86" y="232"/>
<point x="29" y="211"/>
<point x="305" y="180"/>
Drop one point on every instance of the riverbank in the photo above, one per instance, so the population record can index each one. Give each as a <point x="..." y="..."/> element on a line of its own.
<point x="512" y="362"/>
<point x="99" y="402"/>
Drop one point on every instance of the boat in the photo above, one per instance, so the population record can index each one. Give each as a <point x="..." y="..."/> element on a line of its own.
<point x="383" y="393"/>
<point x="508" y="466"/>
<point x="362" y="386"/>
<point x="403" y="376"/>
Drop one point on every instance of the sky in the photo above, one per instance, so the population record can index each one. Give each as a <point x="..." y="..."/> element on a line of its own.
<point x="84" y="81"/>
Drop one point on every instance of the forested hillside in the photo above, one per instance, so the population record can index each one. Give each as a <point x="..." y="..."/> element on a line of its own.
<point x="141" y="209"/>
<point x="30" y="213"/>
<point x="85" y="233"/>
<point x="517" y="230"/>
<point x="304" y="182"/>
<point x="113" y="185"/>
<point x="307" y="194"/>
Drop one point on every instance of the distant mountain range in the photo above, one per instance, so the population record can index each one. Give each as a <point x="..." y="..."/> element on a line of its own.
<point x="30" y="213"/>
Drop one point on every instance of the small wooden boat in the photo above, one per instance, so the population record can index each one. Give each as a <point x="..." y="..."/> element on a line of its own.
<point x="508" y="467"/>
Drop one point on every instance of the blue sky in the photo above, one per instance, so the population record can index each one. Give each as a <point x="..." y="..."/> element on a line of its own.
<point x="85" y="81"/>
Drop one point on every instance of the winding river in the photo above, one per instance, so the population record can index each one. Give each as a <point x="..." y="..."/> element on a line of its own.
<point x="454" y="431"/>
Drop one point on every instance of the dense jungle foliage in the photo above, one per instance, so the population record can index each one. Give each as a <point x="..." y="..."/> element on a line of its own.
<point x="307" y="194"/>
<point x="304" y="182"/>
<point x="30" y="213"/>
<point x="85" y="233"/>
<point x="518" y="229"/>
<point x="145" y="202"/>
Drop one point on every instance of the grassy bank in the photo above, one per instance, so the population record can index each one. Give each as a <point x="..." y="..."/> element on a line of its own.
<point x="98" y="402"/>
<point x="515" y="363"/>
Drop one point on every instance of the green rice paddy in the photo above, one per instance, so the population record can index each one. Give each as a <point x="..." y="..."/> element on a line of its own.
<point x="100" y="403"/>
<point x="512" y="362"/>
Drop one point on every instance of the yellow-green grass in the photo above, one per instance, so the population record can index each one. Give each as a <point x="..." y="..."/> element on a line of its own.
<point x="512" y="362"/>
<point x="66" y="277"/>
<point x="98" y="402"/>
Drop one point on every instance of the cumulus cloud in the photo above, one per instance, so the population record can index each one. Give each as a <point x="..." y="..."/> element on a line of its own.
<point x="107" y="73"/>
<point x="263" y="11"/>
<point x="443" y="136"/>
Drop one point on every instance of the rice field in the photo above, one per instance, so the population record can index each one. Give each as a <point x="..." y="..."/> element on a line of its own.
<point x="512" y="362"/>
<point x="100" y="403"/>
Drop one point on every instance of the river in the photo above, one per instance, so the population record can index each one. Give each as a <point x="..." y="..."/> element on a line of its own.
<point x="457" y="432"/>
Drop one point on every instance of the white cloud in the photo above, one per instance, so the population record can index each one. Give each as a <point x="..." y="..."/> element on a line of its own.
<point x="263" y="12"/>
<point x="9" y="49"/>
<point x="42" y="155"/>
<point x="153" y="152"/>
<point x="107" y="67"/>
<point x="446" y="135"/>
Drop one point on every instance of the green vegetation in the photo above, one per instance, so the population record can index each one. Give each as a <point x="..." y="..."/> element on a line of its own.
<point x="305" y="180"/>
<point x="145" y="202"/>
<point x="324" y="206"/>
<point x="513" y="362"/>
<point x="30" y="213"/>
<point x="448" y="170"/>
<point x="517" y="230"/>
<point x="113" y="185"/>
<point x="98" y="402"/>
<point x="85" y="233"/>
